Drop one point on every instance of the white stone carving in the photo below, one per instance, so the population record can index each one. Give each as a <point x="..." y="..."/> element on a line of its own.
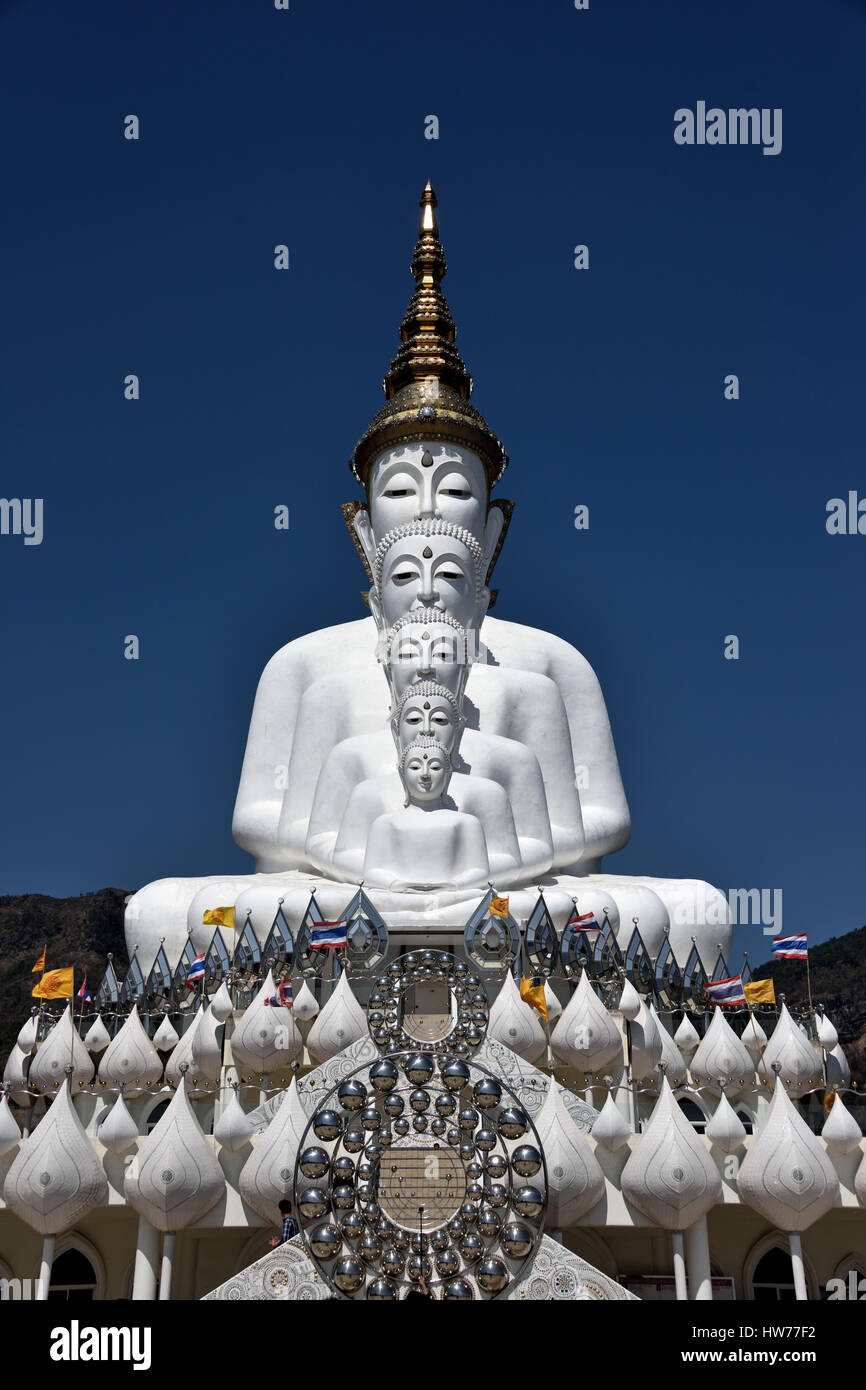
<point x="221" y="1005"/>
<point x="10" y="1134"/>
<point x="860" y="1182"/>
<point x="786" y="1174"/>
<point x="575" y="1181"/>
<point x="15" y="1076"/>
<point x="754" y="1039"/>
<point x="265" y="1037"/>
<point x="687" y="1036"/>
<point x="197" y="1083"/>
<point x="118" y="1130"/>
<point x="175" y="1177"/>
<point x="669" y="1175"/>
<point x="340" y="1023"/>
<point x="724" y="1128"/>
<point x="28" y="1035"/>
<point x="801" y="1068"/>
<point x="557" y="1274"/>
<point x="130" y="1057"/>
<point x="233" y="1129"/>
<point x="515" y="1024"/>
<point x="630" y="1003"/>
<point x="305" y="1007"/>
<point x="284" y="1274"/>
<point x="166" y="1036"/>
<point x="97" y="1036"/>
<point x="671" y="1058"/>
<point x="721" y="1057"/>
<point x="206" y="1046"/>
<point x="586" y="1037"/>
<point x="827" y="1035"/>
<point x="55" y="1177"/>
<point x="62" y="1048"/>
<point x="554" y="1008"/>
<point x="646" y="1044"/>
<point x="610" y="1129"/>
<point x="268" y="1174"/>
<point x="838" y="1070"/>
<point x="841" y="1132"/>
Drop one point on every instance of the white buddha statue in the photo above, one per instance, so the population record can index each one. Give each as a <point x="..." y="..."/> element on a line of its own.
<point x="536" y="724"/>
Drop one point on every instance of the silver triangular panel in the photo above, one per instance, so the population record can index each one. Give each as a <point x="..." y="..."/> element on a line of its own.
<point x="109" y="991"/>
<point x="540" y="938"/>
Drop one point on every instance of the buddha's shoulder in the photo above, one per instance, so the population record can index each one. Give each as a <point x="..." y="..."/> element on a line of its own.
<point x="532" y="647"/>
<point x="327" y="647"/>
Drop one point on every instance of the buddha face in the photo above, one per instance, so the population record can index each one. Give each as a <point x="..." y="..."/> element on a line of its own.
<point x="428" y="572"/>
<point x="432" y="715"/>
<point x="426" y="775"/>
<point x="424" y="480"/>
<point x="427" y="652"/>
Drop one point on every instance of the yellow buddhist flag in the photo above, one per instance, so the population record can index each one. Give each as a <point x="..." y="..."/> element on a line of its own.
<point x="532" y="993"/>
<point x="219" y="917"/>
<point x="498" y="907"/>
<point x="829" y="1099"/>
<point x="57" y="984"/>
<point x="760" y="992"/>
<point x="40" y="964"/>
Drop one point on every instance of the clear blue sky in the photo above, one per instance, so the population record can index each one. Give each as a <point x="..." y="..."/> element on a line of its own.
<point x="707" y="517"/>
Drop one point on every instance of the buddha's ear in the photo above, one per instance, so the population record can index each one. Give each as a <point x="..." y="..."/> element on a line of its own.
<point x="376" y="609"/>
<point x="495" y="531"/>
<point x="364" y="531"/>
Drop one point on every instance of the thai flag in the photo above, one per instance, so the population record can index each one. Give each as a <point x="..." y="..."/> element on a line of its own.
<point x="84" y="993"/>
<point x="327" y="935"/>
<point x="587" y="922"/>
<point x="726" y="992"/>
<point x="283" y="999"/>
<point x="791" y="947"/>
<point x="196" y="972"/>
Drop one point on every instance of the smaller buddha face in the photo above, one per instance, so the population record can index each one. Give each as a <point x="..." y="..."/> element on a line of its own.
<point x="428" y="572"/>
<point x="427" y="652"/>
<point x="426" y="775"/>
<point x="432" y="715"/>
<point x="428" y="480"/>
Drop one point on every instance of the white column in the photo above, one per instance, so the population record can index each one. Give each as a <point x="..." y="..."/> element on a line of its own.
<point x="796" y="1249"/>
<point x="165" y="1272"/>
<point x="146" y="1262"/>
<point x="698" y="1257"/>
<point x="45" y="1264"/>
<point x="679" y="1266"/>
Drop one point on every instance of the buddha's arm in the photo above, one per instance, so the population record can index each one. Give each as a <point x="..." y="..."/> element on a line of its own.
<point x="268" y="752"/>
<point x="365" y="807"/>
<point x="606" y="820"/>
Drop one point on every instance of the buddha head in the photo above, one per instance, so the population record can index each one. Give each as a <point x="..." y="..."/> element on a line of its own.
<point x="430" y="710"/>
<point x="425" y="645"/>
<point x="425" y="770"/>
<point x="429" y="564"/>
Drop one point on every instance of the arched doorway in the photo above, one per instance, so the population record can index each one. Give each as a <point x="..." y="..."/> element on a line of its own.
<point x="73" y="1278"/>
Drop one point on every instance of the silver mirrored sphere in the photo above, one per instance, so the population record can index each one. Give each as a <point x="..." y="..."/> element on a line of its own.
<point x="467" y="1119"/>
<point x="344" y="1169"/>
<point x="381" y="1291"/>
<point x="528" y="1201"/>
<point x="326" y="1242"/>
<point x="393" y="1263"/>
<point x="417" y="1265"/>
<point x="343" y="1197"/>
<point x="438" y="1126"/>
<point x="383" y="1076"/>
<point x="469" y="1213"/>
<point x="458" y="1291"/>
<point x="496" y="1195"/>
<point x="354" y="1140"/>
<point x="496" y="1167"/>
<point x="327" y="1125"/>
<point x="419" y="1068"/>
<point x="348" y="1274"/>
<point x="526" y="1160"/>
<point x="445" y="1105"/>
<point x="314" y="1162"/>
<point x="401" y="1127"/>
<point x="447" y="1264"/>
<point x="352" y="1093"/>
<point x="420" y="1123"/>
<point x="486" y="1093"/>
<point x="489" y="1223"/>
<point x="513" y="1123"/>
<point x="492" y="1276"/>
<point x="419" y="1101"/>
<point x="369" y="1248"/>
<point x="516" y="1240"/>
<point x="439" y="1239"/>
<point x="471" y="1247"/>
<point x="313" y="1202"/>
<point x="455" y="1075"/>
<point x="352" y="1226"/>
<point x="485" y="1140"/>
<point x="395" y="1105"/>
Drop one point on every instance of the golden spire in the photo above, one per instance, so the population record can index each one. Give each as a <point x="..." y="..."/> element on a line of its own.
<point x="427" y="386"/>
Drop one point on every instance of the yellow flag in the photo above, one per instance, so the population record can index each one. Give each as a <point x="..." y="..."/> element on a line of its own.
<point x="219" y="917"/>
<point x="40" y="964"/>
<point x="829" y="1099"/>
<point x="498" y="907"/>
<point x="532" y="992"/>
<point x="760" y="992"/>
<point x="57" y="984"/>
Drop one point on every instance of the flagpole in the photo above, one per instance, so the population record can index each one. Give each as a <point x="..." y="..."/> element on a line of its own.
<point x="809" y="980"/>
<point x="758" y="1042"/>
